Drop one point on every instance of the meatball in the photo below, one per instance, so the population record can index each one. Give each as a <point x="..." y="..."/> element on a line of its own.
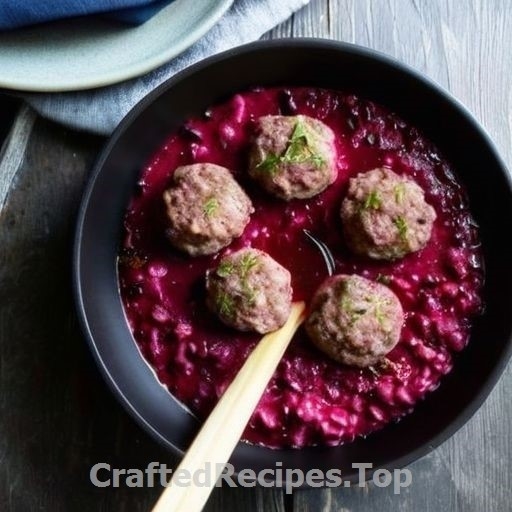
<point x="250" y="291"/>
<point x="293" y="156"/>
<point x="385" y="215"/>
<point x="354" y="320"/>
<point x="206" y="208"/>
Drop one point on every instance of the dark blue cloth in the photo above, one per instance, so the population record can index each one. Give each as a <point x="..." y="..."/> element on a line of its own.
<point x="20" y="13"/>
<point x="138" y="15"/>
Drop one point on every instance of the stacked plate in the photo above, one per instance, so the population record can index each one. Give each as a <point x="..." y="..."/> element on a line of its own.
<point x="58" y="56"/>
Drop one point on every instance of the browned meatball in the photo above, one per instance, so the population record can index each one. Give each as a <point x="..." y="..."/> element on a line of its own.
<point x="385" y="215"/>
<point x="354" y="320"/>
<point x="250" y="291"/>
<point x="293" y="156"/>
<point x="206" y="207"/>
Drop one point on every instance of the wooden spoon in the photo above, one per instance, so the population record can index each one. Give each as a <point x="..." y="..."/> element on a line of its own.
<point x="220" y="433"/>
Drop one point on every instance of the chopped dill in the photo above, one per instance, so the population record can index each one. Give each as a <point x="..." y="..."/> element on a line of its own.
<point x="225" y="268"/>
<point x="242" y="267"/>
<point x="354" y="313"/>
<point x="399" y="193"/>
<point x="380" y="315"/>
<point x="250" y="294"/>
<point x="210" y="206"/>
<point x="299" y="133"/>
<point x="401" y="225"/>
<point x="270" y="163"/>
<point x="372" y="201"/>
<point x="346" y="303"/>
<point x="298" y="151"/>
<point x="248" y="262"/>
<point x="225" y="304"/>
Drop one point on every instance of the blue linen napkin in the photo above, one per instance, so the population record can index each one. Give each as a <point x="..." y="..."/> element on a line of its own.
<point x="140" y="14"/>
<point x="101" y="110"/>
<point x="20" y="13"/>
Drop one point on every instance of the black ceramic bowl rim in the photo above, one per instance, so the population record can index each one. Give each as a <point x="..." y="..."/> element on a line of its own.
<point x="111" y="185"/>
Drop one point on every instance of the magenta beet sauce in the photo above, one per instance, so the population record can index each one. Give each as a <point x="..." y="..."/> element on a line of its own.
<point x="311" y="400"/>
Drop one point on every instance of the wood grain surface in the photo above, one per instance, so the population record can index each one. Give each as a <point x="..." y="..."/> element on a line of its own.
<point x="57" y="418"/>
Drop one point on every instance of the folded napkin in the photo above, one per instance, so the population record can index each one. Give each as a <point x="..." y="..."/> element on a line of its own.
<point x="20" y="13"/>
<point x="101" y="110"/>
<point x="140" y="14"/>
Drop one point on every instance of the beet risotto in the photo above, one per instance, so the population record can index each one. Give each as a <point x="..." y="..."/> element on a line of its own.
<point x="436" y="272"/>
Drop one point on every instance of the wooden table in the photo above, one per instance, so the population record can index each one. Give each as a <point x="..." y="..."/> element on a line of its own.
<point x="57" y="418"/>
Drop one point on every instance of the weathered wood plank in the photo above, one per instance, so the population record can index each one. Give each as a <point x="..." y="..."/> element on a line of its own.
<point x="12" y="151"/>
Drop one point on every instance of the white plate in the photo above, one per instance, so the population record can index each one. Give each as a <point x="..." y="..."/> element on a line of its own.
<point x="82" y="53"/>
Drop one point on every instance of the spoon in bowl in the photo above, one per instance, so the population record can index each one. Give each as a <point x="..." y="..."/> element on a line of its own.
<point x="221" y="432"/>
<point x="215" y="442"/>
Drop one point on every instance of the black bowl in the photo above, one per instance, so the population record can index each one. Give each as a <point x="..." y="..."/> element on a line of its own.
<point x="315" y="63"/>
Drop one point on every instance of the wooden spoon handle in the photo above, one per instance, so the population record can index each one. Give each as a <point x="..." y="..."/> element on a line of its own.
<point x="220" y="433"/>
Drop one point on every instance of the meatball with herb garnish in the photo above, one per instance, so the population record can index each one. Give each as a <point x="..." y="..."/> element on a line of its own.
<point x="206" y="208"/>
<point x="385" y="215"/>
<point x="354" y="320"/>
<point x="250" y="291"/>
<point x="293" y="156"/>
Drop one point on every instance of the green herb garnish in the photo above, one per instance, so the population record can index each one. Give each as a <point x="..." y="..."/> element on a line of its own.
<point x="225" y="304"/>
<point x="249" y="294"/>
<point x="346" y="303"/>
<point x="299" y="148"/>
<point x="270" y="163"/>
<point x="247" y="262"/>
<point x="225" y="268"/>
<point x="401" y="225"/>
<point x="372" y="201"/>
<point x="211" y="206"/>
<point x="242" y="267"/>
<point x="298" y="144"/>
<point x="299" y="133"/>
<point x="399" y="193"/>
<point x="298" y="151"/>
<point x="379" y="314"/>
<point x="354" y="313"/>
